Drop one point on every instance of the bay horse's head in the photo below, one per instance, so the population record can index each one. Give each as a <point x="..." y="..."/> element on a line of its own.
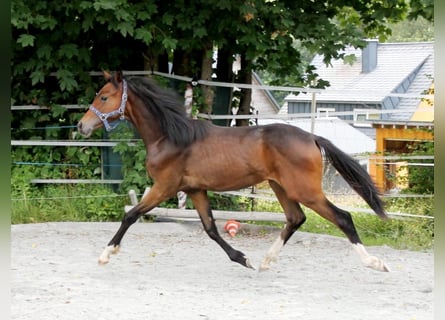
<point x="108" y="105"/>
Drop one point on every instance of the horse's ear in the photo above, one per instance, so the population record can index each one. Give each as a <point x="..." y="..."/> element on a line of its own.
<point x="119" y="76"/>
<point x="107" y="75"/>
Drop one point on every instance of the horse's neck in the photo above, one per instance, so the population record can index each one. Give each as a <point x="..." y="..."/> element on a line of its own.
<point x="145" y="125"/>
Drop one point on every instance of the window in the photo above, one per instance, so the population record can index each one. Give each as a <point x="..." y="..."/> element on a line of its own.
<point x="362" y="117"/>
<point x="324" y="112"/>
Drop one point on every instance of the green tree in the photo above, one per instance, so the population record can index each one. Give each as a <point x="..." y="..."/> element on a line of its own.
<point x="412" y="31"/>
<point x="54" y="47"/>
<point x="421" y="178"/>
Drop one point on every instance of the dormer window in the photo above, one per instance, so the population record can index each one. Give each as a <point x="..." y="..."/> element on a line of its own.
<point x="324" y="112"/>
<point x="362" y="117"/>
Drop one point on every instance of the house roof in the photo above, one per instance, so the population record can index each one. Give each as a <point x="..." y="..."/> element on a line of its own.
<point x="424" y="112"/>
<point x="339" y="132"/>
<point x="262" y="100"/>
<point x="401" y="68"/>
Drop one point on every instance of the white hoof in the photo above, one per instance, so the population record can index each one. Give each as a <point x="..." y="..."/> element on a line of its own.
<point x="368" y="260"/>
<point x="376" y="264"/>
<point x="265" y="265"/>
<point x="272" y="254"/>
<point x="105" y="256"/>
<point x="249" y="265"/>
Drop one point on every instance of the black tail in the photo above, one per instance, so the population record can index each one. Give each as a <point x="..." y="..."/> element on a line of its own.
<point x="354" y="174"/>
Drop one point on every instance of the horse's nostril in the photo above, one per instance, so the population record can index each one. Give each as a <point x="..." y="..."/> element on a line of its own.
<point x="79" y="125"/>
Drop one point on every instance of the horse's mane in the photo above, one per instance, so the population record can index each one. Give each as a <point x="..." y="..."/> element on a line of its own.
<point x="165" y="105"/>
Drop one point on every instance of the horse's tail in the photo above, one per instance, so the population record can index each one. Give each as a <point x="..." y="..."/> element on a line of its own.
<point x="354" y="174"/>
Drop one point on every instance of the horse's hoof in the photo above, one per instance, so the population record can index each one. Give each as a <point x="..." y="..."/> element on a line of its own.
<point x="105" y="256"/>
<point x="377" y="264"/>
<point x="248" y="264"/>
<point x="264" y="267"/>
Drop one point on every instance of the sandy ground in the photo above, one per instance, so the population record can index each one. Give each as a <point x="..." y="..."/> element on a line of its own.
<point x="174" y="271"/>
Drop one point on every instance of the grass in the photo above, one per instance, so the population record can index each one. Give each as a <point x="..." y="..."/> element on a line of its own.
<point x="396" y="232"/>
<point x="66" y="203"/>
<point x="80" y="203"/>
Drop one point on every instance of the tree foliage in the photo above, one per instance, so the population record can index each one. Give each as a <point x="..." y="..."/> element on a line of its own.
<point x="421" y="178"/>
<point x="56" y="45"/>
<point x="421" y="8"/>
<point x="412" y="31"/>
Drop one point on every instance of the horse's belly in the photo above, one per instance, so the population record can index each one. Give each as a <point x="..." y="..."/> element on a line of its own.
<point x="223" y="180"/>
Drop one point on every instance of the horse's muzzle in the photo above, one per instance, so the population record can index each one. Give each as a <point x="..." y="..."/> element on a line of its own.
<point x="83" y="130"/>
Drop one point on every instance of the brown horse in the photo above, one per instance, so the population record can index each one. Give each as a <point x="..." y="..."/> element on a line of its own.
<point x="195" y="156"/>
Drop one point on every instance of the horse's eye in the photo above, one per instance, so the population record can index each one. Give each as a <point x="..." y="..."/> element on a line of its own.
<point x="103" y="98"/>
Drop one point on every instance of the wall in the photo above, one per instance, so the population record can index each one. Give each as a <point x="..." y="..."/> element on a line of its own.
<point x="390" y="138"/>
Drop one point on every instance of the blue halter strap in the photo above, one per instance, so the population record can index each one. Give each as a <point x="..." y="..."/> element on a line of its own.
<point x="104" y="116"/>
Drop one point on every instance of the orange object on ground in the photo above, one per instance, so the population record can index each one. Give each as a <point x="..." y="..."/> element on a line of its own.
<point x="232" y="227"/>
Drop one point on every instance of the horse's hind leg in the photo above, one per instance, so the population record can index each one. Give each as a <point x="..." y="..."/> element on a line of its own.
<point x="201" y="203"/>
<point x="343" y="220"/>
<point x="295" y="218"/>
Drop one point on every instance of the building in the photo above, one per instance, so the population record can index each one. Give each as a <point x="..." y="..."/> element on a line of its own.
<point x="379" y="93"/>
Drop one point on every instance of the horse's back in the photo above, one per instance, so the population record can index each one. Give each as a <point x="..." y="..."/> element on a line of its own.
<point x="272" y="131"/>
<point x="269" y="137"/>
<point x="287" y="131"/>
<point x="274" y="145"/>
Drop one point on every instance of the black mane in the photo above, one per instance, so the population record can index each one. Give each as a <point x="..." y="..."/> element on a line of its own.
<point x="166" y="106"/>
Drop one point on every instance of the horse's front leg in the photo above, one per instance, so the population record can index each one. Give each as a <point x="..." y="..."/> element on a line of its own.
<point x="148" y="202"/>
<point x="201" y="203"/>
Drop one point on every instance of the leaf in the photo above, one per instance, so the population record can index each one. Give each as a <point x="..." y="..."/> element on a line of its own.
<point x="144" y="35"/>
<point x="48" y="23"/>
<point x="68" y="84"/>
<point x="123" y="15"/>
<point x="66" y="80"/>
<point x="63" y="73"/>
<point x="43" y="118"/>
<point x="83" y="158"/>
<point x="125" y="28"/>
<point x="85" y="5"/>
<point x="167" y="19"/>
<point x="44" y="52"/>
<point x="169" y="43"/>
<point x="200" y="32"/>
<point x="26" y="40"/>
<point x="68" y="50"/>
<point x="37" y="76"/>
<point x="84" y="55"/>
<point x="88" y="23"/>
<point x="105" y="5"/>
<point x="57" y="156"/>
<point x="57" y="111"/>
<point x="350" y="59"/>
<point x="143" y="15"/>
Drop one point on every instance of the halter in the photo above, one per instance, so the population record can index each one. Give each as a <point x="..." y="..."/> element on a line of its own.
<point x="104" y="116"/>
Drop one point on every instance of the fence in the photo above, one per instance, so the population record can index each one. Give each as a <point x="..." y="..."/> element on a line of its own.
<point x="109" y="144"/>
<point x="115" y="180"/>
<point x="191" y="214"/>
<point x="182" y="214"/>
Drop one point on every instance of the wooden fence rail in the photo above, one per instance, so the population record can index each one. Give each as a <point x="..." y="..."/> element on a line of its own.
<point x="174" y="213"/>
